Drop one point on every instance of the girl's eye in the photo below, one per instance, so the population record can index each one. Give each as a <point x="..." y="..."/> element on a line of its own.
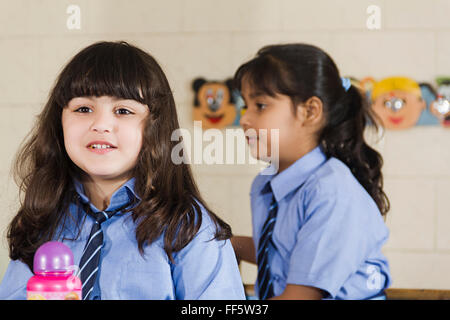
<point x="127" y="111"/>
<point x="82" y="108"/>
<point x="122" y="111"/>
<point x="261" y="106"/>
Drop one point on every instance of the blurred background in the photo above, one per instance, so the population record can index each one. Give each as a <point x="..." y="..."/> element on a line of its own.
<point x="210" y="39"/>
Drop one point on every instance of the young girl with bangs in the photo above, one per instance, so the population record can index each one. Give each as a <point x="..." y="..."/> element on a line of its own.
<point x="97" y="174"/>
<point x="318" y="225"/>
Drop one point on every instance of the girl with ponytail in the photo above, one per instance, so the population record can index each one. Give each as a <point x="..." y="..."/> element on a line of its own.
<point x="318" y="225"/>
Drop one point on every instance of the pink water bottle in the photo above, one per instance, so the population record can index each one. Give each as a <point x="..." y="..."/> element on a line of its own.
<point x="54" y="274"/>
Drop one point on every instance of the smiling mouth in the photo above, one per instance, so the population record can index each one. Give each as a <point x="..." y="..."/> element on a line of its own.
<point x="395" y="120"/>
<point x="101" y="150"/>
<point x="214" y="119"/>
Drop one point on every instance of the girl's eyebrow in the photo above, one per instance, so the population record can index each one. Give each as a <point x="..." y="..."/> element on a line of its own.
<point x="251" y="95"/>
<point x="257" y="94"/>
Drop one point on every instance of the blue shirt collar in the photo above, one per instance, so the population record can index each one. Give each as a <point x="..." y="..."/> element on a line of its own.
<point x="295" y="175"/>
<point x="119" y="198"/>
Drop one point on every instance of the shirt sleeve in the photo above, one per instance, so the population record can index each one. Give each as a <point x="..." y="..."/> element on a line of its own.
<point x="14" y="282"/>
<point x="333" y="241"/>
<point x="206" y="268"/>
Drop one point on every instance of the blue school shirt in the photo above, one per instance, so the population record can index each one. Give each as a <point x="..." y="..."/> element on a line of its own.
<point x="203" y="269"/>
<point x="328" y="233"/>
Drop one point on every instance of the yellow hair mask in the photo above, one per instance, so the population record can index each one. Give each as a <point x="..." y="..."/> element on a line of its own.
<point x="395" y="83"/>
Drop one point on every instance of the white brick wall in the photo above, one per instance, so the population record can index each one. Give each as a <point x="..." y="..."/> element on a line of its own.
<point x="192" y="38"/>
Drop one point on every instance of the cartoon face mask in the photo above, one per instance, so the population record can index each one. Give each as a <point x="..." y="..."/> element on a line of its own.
<point x="213" y="104"/>
<point x="397" y="102"/>
<point x="440" y="107"/>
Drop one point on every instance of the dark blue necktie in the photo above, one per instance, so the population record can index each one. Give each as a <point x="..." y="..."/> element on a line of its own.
<point x="90" y="259"/>
<point x="264" y="276"/>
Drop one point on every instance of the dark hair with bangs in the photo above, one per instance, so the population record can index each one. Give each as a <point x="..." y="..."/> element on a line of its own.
<point x="301" y="71"/>
<point x="44" y="172"/>
<point x="108" y="69"/>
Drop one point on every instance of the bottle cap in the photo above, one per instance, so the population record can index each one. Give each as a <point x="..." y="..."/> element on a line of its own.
<point x="53" y="256"/>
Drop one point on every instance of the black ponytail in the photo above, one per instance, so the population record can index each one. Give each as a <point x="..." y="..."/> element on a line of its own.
<point x="301" y="71"/>
<point x="343" y="138"/>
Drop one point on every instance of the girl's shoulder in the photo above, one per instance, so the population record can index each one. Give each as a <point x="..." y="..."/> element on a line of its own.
<point x="206" y="220"/>
<point x="200" y="215"/>
<point x="333" y="177"/>
<point x="207" y="232"/>
<point x="333" y="193"/>
<point x="334" y="182"/>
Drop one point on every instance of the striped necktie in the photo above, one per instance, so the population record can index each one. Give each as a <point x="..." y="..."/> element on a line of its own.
<point x="264" y="276"/>
<point x="90" y="258"/>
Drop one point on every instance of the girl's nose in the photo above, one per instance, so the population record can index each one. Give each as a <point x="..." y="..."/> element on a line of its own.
<point x="103" y="122"/>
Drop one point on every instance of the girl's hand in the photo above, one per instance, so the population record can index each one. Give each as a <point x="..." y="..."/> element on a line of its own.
<point x="299" y="292"/>
<point x="244" y="249"/>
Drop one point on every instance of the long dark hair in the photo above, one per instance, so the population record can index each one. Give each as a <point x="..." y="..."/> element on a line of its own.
<point x="301" y="71"/>
<point x="44" y="172"/>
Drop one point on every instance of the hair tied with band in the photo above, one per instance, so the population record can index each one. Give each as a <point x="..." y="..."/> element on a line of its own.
<point x="346" y="83"/>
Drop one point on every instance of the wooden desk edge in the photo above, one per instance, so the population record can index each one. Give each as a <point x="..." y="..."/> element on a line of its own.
<point x="394" y="293"/>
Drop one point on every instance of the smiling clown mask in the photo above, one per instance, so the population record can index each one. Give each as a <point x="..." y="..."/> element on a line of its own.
<point x="398" y="102"/>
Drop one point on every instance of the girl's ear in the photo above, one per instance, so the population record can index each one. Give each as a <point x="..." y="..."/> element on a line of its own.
<point x="312" y="111"/>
